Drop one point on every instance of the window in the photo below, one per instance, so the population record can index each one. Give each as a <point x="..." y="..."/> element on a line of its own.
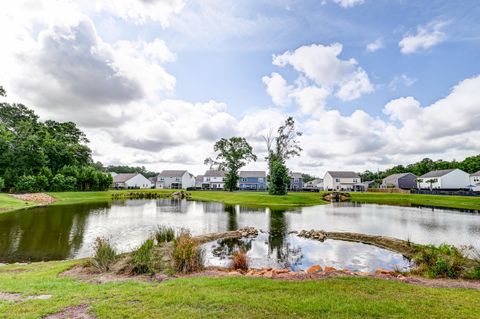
<point x="208" y="179"/>
<point x="260" y="179"/>
<point x="244" y="179"/>
<point x="337" y="180"/>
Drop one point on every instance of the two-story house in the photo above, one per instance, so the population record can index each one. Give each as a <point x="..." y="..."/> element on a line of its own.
<point x="252" y="180"/>
<point x="444" y="179"/>
<point x="213" y="179"/>
<point x="475" y="181"/>
<point x="341" y="180"/>
<point x="402" y="180"/>
<point x="296" y="181"/>
<point x="175" y="179"/>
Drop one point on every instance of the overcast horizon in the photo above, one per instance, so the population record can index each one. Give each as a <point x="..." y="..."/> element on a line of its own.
<point x="371" y="84"/>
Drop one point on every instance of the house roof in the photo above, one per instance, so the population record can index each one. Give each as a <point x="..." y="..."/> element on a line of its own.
<point x="438" y="173"/>
<point x="246" y="174"/>
<point x="172" y="173"/>
<point x="122" y="178"/>
<point x="343" y="174"/>
<point x="397" y="176"/>
<point x="153" y="179"/>
<point x="315" y="181"/>
<point x="199" y="178"/>
<point x="476" y="174"/>
<point x="214" y="173"/>
<point x="295" y="175"/>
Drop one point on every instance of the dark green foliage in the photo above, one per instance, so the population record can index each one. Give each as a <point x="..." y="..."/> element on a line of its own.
<point x="187" y="255"/>
<point x="30" y="148"/>
<point x="105" y="255"/>
<point x="279" y="179"/>
<point x="2" y="183"/>
<point x="232" y="154"/>
<point x="129" y="169"/>
<point x="142" y="258"/>
<point x="164" y="234"/>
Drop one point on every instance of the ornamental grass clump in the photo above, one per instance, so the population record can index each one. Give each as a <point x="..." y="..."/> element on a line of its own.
<point x="105" y="255"/>
<point x="142" y="258"/>
<point x="239" y="260"/>
<point x="164" y="234"/>
<point x="442" y="261"/>
<point x="188" y="257"/>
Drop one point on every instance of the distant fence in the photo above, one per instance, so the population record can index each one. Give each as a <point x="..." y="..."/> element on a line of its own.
<point x="445" y="192"/>
<point x="389" y="190"/>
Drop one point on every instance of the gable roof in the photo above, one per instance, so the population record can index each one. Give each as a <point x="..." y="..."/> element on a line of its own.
<point x="199" y="178"/>
<point x="397" y="176"/>
<point x="476" y="174"/>
<point x="295" y="175"/>
<point x="246" y="174"/>
<point x="122" y="178"/>
<point x="343" y="174"/>
<point x="438" y="173"/>
<point x="172" y="173"/>
<point x="214" y="173"/>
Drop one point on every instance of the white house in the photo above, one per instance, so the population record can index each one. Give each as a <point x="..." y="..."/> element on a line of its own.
<point x="316" y="184"/>
<point x="213" y="179"/>
<point x="342" y="180"/>
<point x="131" y="180"/>
<point x="444" y="179"/>
<point x="175" y="179"/>
<point x="475" y="180"/>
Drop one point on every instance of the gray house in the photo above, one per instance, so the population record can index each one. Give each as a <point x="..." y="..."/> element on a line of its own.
<point x="296" y="181"/>
<point x="402" y="180"/>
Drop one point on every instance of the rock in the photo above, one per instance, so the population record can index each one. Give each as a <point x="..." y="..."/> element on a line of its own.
<point x="384" y="272"/>
<point x="268" y="274"/>
<point x="361" y="273"/>
<point x="281" y="271"/>
<point x="329" y="269"/>
<point x="314" y="269"/>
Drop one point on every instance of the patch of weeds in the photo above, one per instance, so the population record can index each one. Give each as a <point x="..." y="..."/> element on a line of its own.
<point x="239" y="260"/>
<point x="188" y="257"/>
<point x="164" y="234"/>
<point x="105" y="255"/>
<point x="142" y="258"/>
<point x="442" y="261"/>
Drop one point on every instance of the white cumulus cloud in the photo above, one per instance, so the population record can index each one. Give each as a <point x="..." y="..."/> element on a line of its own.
<point x="425" y="38"/>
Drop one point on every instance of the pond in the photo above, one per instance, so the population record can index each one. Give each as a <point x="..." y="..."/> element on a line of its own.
<point x="67" y="232"/>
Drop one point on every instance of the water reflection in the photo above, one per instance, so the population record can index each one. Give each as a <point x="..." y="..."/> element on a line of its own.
<point x="63" y="232"/>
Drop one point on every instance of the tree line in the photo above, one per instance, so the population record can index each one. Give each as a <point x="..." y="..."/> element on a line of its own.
<point x="44" y="156"/>
<point x="234" y="153"/>
<point x="470" y="165"/>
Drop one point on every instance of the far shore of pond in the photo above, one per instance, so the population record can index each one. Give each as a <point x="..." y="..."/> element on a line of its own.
<point x="261" y="199"/>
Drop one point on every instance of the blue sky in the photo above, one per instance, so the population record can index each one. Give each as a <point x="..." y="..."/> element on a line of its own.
<point x="372" y="83"/>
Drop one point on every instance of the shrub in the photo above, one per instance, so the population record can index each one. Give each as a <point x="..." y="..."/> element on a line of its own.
<point x="2" y="183"/>
<point x="142" y="258"/>
<point x="41" y="182"/>
<point x="442" y="261"/>
<point x="164" y="234"/>
<point x="26" y="183"/>
<point x="279" y="179"/>
<point x="70" y="183"/>
<point x="105" y="254"/>
<point x="239" y="260"/>
<point x="187" y="256"/>
<point x="58" y="183"/>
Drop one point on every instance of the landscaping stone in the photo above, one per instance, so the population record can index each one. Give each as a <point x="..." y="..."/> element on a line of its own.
<point x="41" y="198"/>
<point x="329" y="269"/>
<point x="314" y="269"/>
<point x="384" y="272"/>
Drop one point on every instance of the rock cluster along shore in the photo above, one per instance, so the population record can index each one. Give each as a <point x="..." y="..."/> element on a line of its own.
<point x="35" y="197"/>
<point x="240" y="233"/>
<point x="313" y="234"/>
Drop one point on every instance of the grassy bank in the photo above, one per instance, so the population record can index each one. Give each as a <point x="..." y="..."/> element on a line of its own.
<point x="234" y="297"/>
<point x="8" y="203"/>
<point x="459" y="202"/>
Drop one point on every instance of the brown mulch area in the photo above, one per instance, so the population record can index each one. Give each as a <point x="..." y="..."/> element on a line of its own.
<point x="75" y="312"/>
<point x="41" y="198"/>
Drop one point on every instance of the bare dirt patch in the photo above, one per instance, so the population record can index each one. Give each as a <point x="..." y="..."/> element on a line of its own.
<point x="14" y="297"/>
<point x="40" y="198"/>
<point x="75" y="312"/>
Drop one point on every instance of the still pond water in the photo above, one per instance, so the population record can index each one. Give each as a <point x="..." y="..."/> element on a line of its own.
<point x="67" y="232"/>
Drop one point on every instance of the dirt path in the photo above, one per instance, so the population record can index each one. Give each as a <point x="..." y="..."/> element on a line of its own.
<point x="75" y="312"/>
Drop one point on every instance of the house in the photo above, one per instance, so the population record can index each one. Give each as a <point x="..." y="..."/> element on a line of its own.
<point x="252" y="180"/>
<point x="199" y="181"/>
<point x="444" y="179"/>
<point x="175" y="179"/>
<point x="402" y="180"/>
<point x="213" y="179"/>
<point x="342" y="180"/>
<point x="296" y="181"/>
<point x="475" y="180"/>
<point x="130" y="180"/>
<point x="315" y="184"/>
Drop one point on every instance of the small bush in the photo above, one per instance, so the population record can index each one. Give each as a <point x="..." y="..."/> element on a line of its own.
<point x="442" y="261"/>
<point x="105" y="254"/>
<point x="187" y="256"/>
<point x="26" y="183"/>
<point x="142" y="258"/>
<point x="239" y="260"/>
<point x="164" y="234"/>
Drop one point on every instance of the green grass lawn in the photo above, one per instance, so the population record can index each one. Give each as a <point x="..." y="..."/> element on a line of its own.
<point x="233" y="297"/>
<point x="8" y="203"/>
<point x="461" y="202"/>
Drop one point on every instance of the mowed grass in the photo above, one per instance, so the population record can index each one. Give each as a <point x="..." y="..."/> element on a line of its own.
<point x="230" y="297"/>
<point x="8" y="203"/>
<point x="459" y="202"/>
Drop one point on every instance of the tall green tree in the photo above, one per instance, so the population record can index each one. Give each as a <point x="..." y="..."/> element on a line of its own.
<point x="281" y="147"/>
<point x="232" y="154"/>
